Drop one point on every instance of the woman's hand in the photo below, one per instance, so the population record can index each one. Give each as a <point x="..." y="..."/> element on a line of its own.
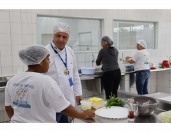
<point x="127" y="58"/>
<point x="99" y="65"/>
<point x="78" y="99"/>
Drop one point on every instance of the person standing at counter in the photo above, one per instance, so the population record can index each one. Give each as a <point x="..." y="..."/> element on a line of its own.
<point x="32" y="97"/>
<point x="141" y="67"/>
<point x="108" y="56"/>
<point x="63" y="67"/>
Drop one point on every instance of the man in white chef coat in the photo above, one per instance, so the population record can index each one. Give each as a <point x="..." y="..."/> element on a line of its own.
<point x="63" y="67"/>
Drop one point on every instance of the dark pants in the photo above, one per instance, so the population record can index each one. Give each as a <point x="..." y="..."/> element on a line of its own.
<point x="61" y="118"/>
<point x="111" y="81"/>
<point x="142" y="81"/>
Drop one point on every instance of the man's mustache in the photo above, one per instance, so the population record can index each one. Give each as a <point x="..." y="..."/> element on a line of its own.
<point x="60" y="42"/>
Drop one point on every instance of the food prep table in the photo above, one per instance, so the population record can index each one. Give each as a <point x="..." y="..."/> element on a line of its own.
<point x="163" y="106"/>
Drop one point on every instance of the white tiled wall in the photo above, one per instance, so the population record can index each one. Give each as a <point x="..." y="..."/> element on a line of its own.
<point x="18" y="27"/>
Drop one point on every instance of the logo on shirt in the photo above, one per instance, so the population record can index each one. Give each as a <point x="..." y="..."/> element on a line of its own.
<point x="146" y="59"/>
<point x="21" y="92"/>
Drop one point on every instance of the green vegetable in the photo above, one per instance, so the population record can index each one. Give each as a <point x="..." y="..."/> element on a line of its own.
<point x="114" y="102"/>
<point x="165" y="116"/>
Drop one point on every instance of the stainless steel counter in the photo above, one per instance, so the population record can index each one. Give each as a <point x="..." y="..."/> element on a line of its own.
<point x="89" y="77"/>
<point x="163" y="106"/>
<point x="99" y="73"/>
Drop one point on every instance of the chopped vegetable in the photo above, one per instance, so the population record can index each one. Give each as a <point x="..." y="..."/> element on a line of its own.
<point x="114" y="102"/>
<point x="165" y="116"/>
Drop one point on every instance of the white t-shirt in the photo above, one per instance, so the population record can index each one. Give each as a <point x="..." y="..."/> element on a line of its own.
<point x="141" y="59"/>
<point x="34" y="98"/>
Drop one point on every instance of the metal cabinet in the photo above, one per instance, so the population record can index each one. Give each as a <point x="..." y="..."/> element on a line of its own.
<point x="1" y="116"/>
<point x="2" y="98"/>
<point x="95" y="85"/>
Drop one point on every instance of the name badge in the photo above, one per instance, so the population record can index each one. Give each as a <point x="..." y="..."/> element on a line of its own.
<point x="70" y="81"/>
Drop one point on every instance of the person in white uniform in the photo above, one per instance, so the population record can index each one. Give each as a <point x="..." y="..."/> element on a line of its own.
<point x="141" y="67"/>
<point x="32" y="97"/>
<point x="63" y="67"/>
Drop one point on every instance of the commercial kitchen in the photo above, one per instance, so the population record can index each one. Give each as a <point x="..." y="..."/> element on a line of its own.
<point x="24" y="27"/>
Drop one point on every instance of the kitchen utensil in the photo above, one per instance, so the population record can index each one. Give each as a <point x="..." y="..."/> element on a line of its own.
<point x="144" y="105"/>
<point x="87" y="70"/>
<point x="166" y="64"/>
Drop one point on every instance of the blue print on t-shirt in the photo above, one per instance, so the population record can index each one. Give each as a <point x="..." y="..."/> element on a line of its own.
<point x="23" y="104"/>
<point x="22" y="91"/>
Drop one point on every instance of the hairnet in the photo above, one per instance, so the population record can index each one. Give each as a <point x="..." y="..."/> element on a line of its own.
<point x="142" y="43"/>
<point x="107" y="40"/>
<point x="33" y="54"/>
<point x="61" y="27"/>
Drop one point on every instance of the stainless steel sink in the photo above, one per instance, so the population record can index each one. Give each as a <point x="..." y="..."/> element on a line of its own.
<point x="98" y="72"/>
<point x="157" y="95"/>
<point x="3" y="81"/>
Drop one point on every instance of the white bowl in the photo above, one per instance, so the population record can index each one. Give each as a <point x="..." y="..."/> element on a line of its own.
<point x="87" y="70"/>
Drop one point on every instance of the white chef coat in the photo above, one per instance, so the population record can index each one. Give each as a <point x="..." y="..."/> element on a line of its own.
<point x="34" y="98"/>
<point x="141" y="59"/>
<point x="56" y="71"/>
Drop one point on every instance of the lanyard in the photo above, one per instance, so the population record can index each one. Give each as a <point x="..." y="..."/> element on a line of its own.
<point x="65" y="63"/>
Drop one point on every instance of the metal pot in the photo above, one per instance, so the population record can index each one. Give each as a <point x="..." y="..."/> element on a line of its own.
<point x="146" y="109"/>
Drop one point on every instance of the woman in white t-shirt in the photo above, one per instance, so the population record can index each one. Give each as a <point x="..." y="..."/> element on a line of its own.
<point x="141" y="67"/>
<point x="32" y="97"/>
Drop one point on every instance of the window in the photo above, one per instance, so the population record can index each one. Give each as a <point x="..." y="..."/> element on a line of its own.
<point x="127" y="33"/>
<point x="85" y="34"/>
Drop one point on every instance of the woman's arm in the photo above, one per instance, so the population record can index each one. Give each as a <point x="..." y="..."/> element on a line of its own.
<point x="99" y="58"/>
<point x="10" y="111"/>
<point x="129" y="60"/>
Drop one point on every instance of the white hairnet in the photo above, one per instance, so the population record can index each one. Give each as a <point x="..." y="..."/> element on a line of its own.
<point x="61" y="27"/>
<point x="142" y="43"/>
<point x="33" y="54"/>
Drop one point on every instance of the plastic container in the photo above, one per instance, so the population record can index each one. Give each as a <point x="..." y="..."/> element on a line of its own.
<point x="87" y="70"/>
<point x="86" y="104"/>
<point x="97" y="102"/>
